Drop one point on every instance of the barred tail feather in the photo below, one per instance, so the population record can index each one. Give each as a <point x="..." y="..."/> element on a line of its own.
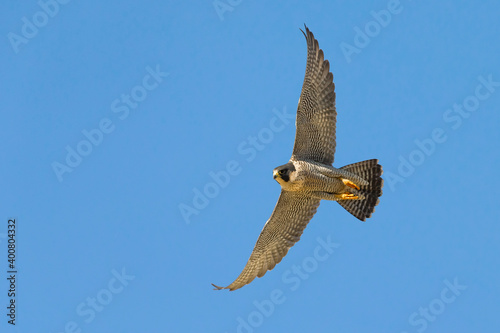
<point x="370" y="171"/>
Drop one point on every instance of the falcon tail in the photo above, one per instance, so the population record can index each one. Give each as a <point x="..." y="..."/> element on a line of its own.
<point x="370" y="171"/>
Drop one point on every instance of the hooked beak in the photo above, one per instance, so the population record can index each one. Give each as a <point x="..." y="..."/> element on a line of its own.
<point x="275" y="174"/>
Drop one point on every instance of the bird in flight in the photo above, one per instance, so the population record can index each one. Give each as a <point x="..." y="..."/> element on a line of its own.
<point x="309" y="176"/>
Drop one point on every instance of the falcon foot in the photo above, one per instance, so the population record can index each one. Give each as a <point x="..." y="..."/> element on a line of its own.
<point x="347" y="182"/>
<point x="346" y="196"/>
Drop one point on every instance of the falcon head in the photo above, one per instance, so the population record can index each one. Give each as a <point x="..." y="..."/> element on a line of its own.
<point x="283" y="173"/>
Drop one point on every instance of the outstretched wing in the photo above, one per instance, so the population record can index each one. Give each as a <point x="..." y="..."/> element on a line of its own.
<point x="283" y="229"/>
<point x="316" y="114"/>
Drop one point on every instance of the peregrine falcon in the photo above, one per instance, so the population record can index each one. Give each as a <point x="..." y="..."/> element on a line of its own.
<point x="309" y="176"/>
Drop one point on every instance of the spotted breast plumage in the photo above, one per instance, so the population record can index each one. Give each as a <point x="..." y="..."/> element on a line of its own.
<point x="309" y="176"/>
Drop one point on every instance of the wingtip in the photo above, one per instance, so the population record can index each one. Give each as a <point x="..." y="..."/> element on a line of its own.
<point x="217" y="287"/>
<point x="306" y="32"/>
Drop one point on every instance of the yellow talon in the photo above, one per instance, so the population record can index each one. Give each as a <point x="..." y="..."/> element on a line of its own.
<point x="347" y="196"/>
<point x="347" y="182"/>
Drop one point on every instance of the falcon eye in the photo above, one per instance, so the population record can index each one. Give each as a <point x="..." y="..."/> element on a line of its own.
<point x="282" y="172"/>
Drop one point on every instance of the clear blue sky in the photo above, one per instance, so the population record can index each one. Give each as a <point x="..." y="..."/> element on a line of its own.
<point x="115" y="115"/>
